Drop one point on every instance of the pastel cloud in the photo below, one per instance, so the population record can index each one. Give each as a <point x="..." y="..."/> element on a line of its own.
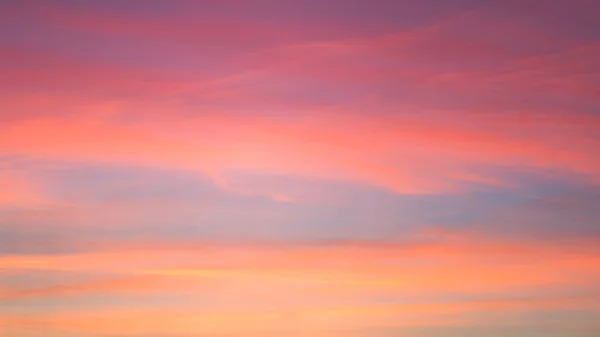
<point x="255" y="279"/>
<point x="357" y="149"/>
<point x="322" y="168"/>
<point x="314" y="140"/>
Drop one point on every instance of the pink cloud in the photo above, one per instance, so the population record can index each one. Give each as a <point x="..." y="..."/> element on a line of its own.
<point x="322" y="145"/>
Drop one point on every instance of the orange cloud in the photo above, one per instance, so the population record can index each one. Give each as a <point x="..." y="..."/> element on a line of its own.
<point x="124" y="285"/>
<point x="279" y="288"/>
<point x="301" y="321"/>
<point x="461" y="266"/>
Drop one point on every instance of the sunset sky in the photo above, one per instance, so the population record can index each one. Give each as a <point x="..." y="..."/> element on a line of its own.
<point x="301" y="168"/>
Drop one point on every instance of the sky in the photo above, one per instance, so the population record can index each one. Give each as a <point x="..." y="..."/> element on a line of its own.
<point x="322" y="168"/>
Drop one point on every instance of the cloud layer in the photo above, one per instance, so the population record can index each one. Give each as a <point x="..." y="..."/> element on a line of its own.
<point x="299" y="168"/>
